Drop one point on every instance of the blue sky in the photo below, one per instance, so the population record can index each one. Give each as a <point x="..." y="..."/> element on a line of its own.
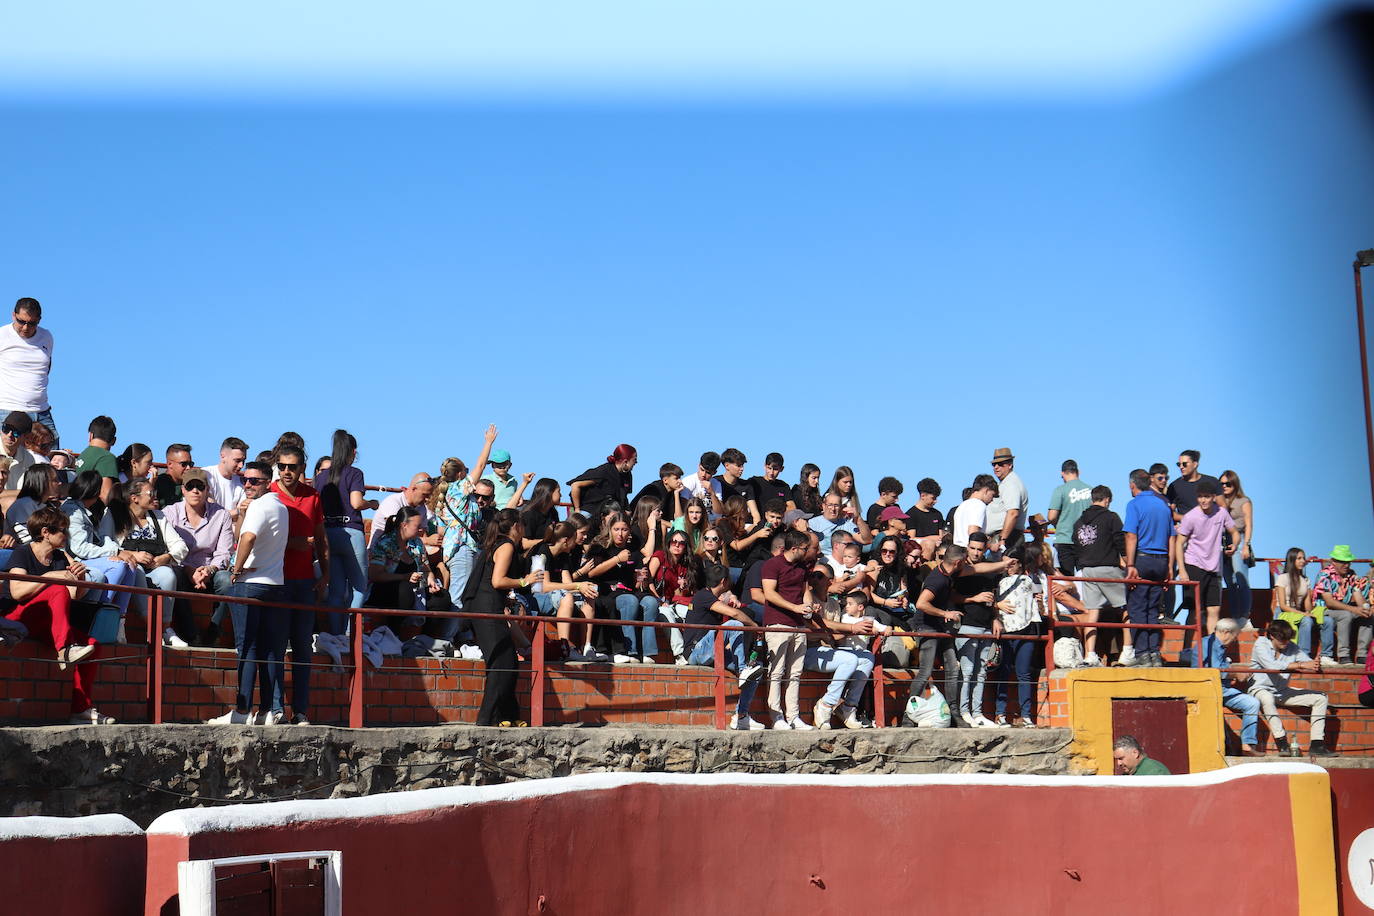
<point x="936" y="250"/>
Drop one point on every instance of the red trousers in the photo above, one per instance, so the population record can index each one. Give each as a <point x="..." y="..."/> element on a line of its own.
<point x="50" y="610"/>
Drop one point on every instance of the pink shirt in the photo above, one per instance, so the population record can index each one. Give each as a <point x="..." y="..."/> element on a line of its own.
<point x="1204" y="536"/>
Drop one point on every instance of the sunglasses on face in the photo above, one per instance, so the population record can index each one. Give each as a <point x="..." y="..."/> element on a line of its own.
<point x="1183" y="464"/>
<point x="888" y="553"/>
<point x="1000" y="464"/>
<point x="500" y="464"/>
<point x="180" y="464"/>
<point x="710" y="538"/>
<point x="254" y="481"/>
<point x="25" y="324"/>
<point x="194" y="485"/>
<point x="483" y="497"/>
<point x="284" y="467"/>
<point x="9" y="430"/>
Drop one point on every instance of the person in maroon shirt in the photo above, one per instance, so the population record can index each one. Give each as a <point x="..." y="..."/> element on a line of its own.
<point x="787" y="603"/>
<point x="305" y="520"/>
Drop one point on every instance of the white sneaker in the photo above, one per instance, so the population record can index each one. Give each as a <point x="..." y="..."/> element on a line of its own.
<point x="276" y="717"/>
<point x="648" y="660"/>
<point x="1328" y="661"/>
<point x="981" y="721"/>
<point x="123" y="637"/>
<point x="620" y="659"/>
<point x="849" y="718"/>
<point x="821" y="714"/>
<point x="680" y="661"/>
<point x="1001" y="722"/>
<point x="752" y="724"/>
<point x="232" y="717"/>
<point x="299" y="719"/>
<point x="781" y="725"/>
<point x="798" y="725"/>
<point x="749" y="673"/>
<point x="172" y="640"/>
<point x="1092" y="661"/>
<point x="91" y="716"/>
<point x="1127" y="657"/>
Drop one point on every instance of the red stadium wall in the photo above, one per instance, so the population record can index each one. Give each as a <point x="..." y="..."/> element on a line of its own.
<point x="621" y="843"/>
<point x="81" y="866"/>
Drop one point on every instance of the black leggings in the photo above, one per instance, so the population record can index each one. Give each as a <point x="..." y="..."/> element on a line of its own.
<point x="498" y="652"/>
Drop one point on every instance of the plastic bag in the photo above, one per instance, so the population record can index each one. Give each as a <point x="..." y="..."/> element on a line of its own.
<point x="1068" y="653"/>
<point x="929" y="711"/>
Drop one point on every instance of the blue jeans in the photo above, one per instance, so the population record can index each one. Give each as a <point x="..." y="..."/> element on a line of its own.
<point x="459" y="570"/>
<point x="301" y="637"/>
<point x="1249" y="709"/>
<point x="1142" y="601"/>
<point x="112" y="572"/>
<point x="639" y="640"/>
<point x="1236" y="575"/>
<point x="1018" y="655"/>
<point x="263" y="644"/>
<point x="1308" y="624"/>
<point x="973" y="655"/>
<point x="45" y="417"/>
<point x="849" y="670"/>
<point x="704" y="653"/>
<point x="347" y="574"/>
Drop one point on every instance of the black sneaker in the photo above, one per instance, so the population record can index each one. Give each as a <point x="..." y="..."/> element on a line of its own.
<point x="1281" y="745"/>
<point x="1319" y="749"/>
<point x="210" y="635"/>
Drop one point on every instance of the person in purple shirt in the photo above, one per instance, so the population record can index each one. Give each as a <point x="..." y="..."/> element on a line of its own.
<point x="209" y="529"/>
<point x="1198" y="556"/>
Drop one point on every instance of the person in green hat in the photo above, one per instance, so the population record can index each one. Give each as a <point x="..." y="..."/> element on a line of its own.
<point x="508" y="489"/>
<point x="1346" y="597"/>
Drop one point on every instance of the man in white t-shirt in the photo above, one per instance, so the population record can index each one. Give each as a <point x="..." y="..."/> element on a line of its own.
<point x="226" y="486"/>
<point x="972" y="514"/>
<point x="25" y="362"/>
<point x="416" y="496"/>
<point x="260" y="633"/>
<point x="703" y="484"/>
<point x="1007" y="511"/>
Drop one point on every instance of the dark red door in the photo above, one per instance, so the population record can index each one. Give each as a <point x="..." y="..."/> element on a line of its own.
<point x="1159" y="724"/>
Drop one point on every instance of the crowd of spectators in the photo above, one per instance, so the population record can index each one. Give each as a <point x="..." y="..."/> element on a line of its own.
<point x="805" y="576"/>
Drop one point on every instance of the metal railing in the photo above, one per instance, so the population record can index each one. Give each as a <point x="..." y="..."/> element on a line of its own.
<point x="154" y="674"/>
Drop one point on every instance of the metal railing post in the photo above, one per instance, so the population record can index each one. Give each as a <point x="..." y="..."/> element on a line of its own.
<point x="1049" y="623"/>
<point x="1201" y="625"/>
<point x="355" y="687"/>
<point x="879" y="701"/>
<point x="718" y="645"/>
<point x="155" y="674"/>
<point x="537" y="676"/>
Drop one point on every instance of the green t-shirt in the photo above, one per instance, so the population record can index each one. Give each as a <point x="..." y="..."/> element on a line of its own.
<point x="1150" y="767"/>
<point x="100" y="460"/>
<point x="1071" y="498"/>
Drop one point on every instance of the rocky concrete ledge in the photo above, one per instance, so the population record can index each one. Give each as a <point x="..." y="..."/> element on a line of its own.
<point x="141" y="771"/>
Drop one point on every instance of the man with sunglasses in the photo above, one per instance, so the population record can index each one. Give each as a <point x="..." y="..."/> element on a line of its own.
<point x="14" y="428"/>
<point x="1182" y="493"/>
<point x="306" y="544"/>
<point x="207" y="528"/>
<point x="1007" y="511"/>
<point x="504" y="483"/>
<point x="168" y="486"/>
<point x="258" y="572"/>
<point x="25" y="362"/>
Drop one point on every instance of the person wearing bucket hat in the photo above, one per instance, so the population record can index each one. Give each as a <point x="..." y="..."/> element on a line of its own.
<point x="1007" y="511"/>
<point x="1346" y="597"/>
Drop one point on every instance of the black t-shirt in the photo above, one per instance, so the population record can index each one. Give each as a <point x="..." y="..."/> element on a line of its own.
<point x="941" y="589"/>
<point x="765" y="490"/>
<point x="607" y="483"/>
<point x="923" y="523"/>
<point x="758" y="551"/>
<point x="741" y="488"/>
<point x="872" y="514"/>
<point x="1183" y="493"/>
<point x="24" y="560"/>
<point x="620" y="577"/>
<point x="810" y="503"/>
<point x="537" y="524"/>
<point x="659" y="492"/>
<point x="554" y="566"/>
<point x="753" y="579"/>
<point x="700" y="615"/>
<point x="977" y="615"/>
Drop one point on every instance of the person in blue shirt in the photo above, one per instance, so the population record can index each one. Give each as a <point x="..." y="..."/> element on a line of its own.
<point x="1233" y="698"/>
<point x="1149" y="532"/>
